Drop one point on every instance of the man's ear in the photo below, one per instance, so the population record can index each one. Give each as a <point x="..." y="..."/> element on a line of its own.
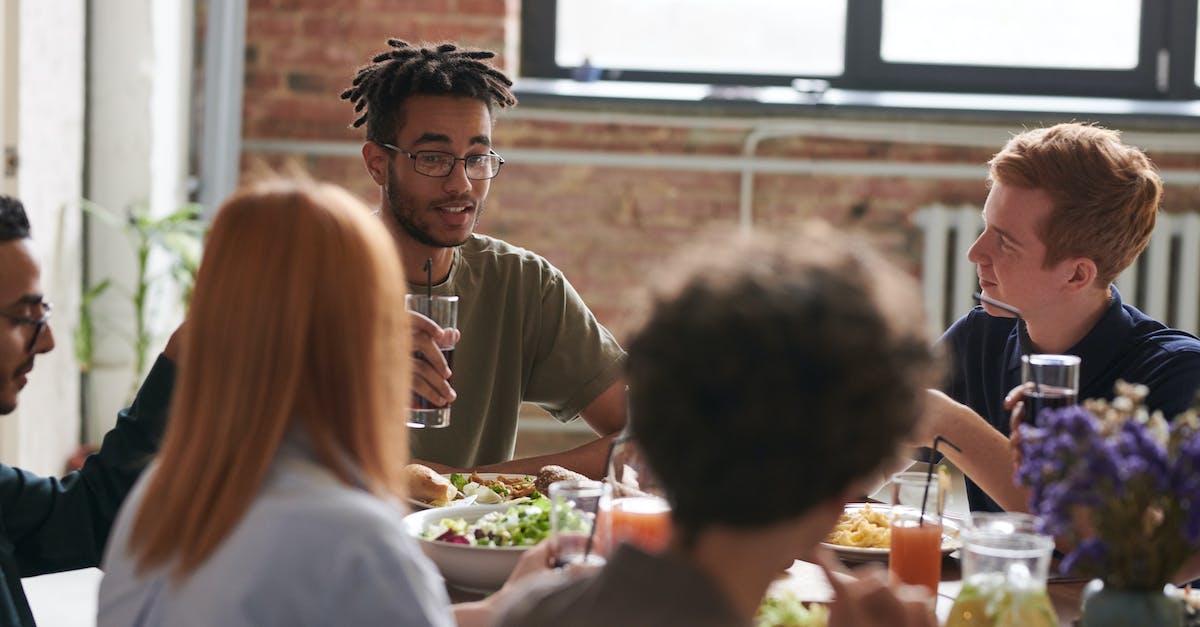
<point x="1082" y="273"/>
<point x="375" y="157"/>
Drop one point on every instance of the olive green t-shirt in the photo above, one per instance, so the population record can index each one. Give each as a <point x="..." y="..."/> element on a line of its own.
<point x="526" y="335"/>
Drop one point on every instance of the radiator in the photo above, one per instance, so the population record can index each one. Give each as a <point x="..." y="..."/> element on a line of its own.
<point x="1164" y="281"/>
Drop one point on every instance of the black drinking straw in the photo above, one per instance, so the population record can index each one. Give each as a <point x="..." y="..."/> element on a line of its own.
<point x="429" y="288"/>
<point x="938" y="439"/>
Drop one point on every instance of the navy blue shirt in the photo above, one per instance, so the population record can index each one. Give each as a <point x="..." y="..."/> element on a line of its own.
<point x="1127" y="344"/>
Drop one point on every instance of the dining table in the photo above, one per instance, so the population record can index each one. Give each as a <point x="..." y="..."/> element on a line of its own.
<point x="807" y="582"/>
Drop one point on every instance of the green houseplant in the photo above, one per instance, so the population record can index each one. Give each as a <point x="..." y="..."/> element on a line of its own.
<point x="177" y="237"/>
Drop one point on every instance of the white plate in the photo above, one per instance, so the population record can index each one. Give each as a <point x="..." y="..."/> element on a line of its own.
<point x="418" y="505"/>
<point x="950" y="527"/>
<point x="477" y="569"/>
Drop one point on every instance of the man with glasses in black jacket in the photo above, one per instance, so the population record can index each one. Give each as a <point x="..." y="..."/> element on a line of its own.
<point x="55" y="524"/>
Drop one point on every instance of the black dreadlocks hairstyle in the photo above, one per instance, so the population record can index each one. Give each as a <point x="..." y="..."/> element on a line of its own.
<point x="407" y="70"/>
<point x="14" y="224"/>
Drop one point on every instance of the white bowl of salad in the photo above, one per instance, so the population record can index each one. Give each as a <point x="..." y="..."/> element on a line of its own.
<point x="476" y="547"/>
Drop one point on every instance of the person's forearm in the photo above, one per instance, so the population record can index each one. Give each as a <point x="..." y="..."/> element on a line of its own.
<point x="473" y="613"/>
<point x="986" y="458"/>
<point x="588" y="459"/>
<point x="1190" y="570"/>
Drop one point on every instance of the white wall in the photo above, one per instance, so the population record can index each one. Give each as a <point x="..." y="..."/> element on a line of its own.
<point x="50" y="98"/>
<point x="9" y="53"/>
<point x="139" y="57"/>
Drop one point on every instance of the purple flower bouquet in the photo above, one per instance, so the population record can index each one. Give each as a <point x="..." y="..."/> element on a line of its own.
<point x="1119" y="485"/>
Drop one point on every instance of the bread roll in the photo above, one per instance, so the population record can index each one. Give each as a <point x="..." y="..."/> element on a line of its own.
<point x="426" y="485"/>
<point x="550" y="474"/>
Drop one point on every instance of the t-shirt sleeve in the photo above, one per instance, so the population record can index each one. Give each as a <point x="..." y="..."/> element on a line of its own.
<point x="576" y="357"/>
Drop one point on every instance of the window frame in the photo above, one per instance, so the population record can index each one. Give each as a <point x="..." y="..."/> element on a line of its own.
<point x="1165" y="25"/>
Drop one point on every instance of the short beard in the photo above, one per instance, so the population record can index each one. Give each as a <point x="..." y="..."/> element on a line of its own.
<point x="404" y="215"/>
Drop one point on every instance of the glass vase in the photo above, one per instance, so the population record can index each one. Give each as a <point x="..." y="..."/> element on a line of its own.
<point x="1105" y="606"/>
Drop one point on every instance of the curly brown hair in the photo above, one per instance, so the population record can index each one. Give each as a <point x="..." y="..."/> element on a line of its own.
<point x="775" y="372"/>
<point x="1106" y="193"/>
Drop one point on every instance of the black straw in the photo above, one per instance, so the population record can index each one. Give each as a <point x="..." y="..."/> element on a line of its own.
<point x="429" y="288"/>
<point x="938" y="439"/>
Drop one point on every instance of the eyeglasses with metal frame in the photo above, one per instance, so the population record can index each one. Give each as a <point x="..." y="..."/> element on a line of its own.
<point x="37" y="323"/>
<point x="438" y="164"/>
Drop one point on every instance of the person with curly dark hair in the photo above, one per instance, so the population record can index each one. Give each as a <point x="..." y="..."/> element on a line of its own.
<point x="526" y="335"/>
<point x="772" y="379"/>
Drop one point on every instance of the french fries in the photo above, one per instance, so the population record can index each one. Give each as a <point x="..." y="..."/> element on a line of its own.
<point x="864" y="528"/>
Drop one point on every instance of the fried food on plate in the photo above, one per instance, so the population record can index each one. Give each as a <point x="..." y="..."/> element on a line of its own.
<point x="865" y="528"/>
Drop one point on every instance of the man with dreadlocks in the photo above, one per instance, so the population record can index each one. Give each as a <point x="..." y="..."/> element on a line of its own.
<point x="526" y="335"/>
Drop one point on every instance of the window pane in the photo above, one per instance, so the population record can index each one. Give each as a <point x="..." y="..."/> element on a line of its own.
<point x="1074" y="34"/>
<point x="787" y="37"/>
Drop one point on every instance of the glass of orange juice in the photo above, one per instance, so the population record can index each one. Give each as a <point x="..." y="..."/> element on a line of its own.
<point x="641" y="515"/>
<point x="916" y="554"/>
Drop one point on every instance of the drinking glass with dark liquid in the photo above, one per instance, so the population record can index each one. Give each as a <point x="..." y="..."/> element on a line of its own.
<point x="1051" y="382"/>
<point x="443" y="311"/>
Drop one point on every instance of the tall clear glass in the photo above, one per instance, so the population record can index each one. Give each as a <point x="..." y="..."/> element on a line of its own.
<point x="916" y="554"/>
<point x="443" y="310"/>
<point x="1052" y="381"/>
<point x="580" y="512"/>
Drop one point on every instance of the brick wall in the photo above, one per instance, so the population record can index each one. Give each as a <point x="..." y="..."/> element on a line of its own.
<point x="606" y="227"/>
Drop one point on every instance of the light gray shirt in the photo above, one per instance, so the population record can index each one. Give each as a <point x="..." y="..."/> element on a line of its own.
<point x="311" y="550"/>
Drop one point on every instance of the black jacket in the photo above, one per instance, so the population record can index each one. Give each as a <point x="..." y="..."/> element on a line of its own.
<point x="49" y="525"/>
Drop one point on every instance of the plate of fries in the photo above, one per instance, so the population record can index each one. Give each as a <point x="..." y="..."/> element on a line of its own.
<point x="863" y="533"/>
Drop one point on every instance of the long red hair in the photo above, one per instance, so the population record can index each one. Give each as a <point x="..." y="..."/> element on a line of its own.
<point x="297" y="319"/>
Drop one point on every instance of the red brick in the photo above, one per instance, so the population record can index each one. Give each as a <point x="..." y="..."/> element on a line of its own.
<point x="486" y="35"/>
<point x="262" y="80"/>
<point x="385" y="10"/>
<point x="263" y="25"/>
<point x="338" y="27"/>
<point x="493" y="8"/>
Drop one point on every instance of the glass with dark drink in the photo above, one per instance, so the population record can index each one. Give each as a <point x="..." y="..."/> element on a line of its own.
<point x="443" y="310"/>
<point x="1051" y="381"/>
